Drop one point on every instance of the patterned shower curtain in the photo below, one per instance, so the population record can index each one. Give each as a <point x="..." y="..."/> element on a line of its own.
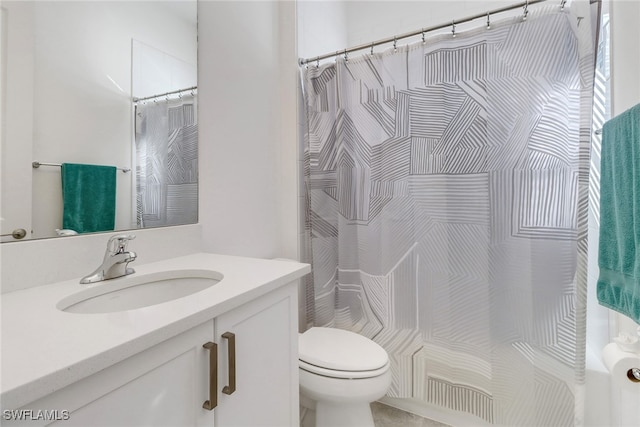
<point x="446" y="188"/>
<point x="167" y="162"/>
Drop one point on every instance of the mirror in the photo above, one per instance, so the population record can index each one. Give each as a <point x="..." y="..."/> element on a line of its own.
<point x="98" y="83"/>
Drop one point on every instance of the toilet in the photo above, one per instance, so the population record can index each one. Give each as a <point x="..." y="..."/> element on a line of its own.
<point x="341" y="373"/>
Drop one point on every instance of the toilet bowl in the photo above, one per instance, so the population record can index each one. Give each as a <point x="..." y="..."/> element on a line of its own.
<point x="341" y="373"/>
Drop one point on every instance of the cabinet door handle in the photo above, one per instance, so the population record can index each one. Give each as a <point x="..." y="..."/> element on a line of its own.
<point x="229" y="389"/>
<point x="213" y="376"/>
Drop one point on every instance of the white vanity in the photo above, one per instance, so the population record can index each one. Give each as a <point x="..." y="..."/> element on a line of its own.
<point x="224" y="355"/>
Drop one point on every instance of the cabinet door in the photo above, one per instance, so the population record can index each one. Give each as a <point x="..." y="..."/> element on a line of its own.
<point x="266" y="359"/>
<point x="165" y="385"/>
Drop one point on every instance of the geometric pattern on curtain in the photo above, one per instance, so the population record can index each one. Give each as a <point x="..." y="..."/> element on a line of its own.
<point x="167" y="163"/>
<point x="446" y="188"/>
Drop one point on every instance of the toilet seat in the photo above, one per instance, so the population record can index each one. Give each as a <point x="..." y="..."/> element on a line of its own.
<point x="332" y="373"/>
<point x="337" y="353"/>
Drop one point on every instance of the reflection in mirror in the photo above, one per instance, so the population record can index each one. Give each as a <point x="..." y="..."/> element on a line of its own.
<point x="104" y="84"/>
<point x="166" y="138"/>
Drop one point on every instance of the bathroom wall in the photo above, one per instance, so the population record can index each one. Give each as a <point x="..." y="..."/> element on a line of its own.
<point x="625" y="55"/>
<point x="154" y="71"/>
<point x="15" y="195"/>
<point x="322" y="27"/>
<point x="247" y="79"/>
<point x="40" y="262"/>
<point x="372" y="20"/>
<point x="328" y="26"/>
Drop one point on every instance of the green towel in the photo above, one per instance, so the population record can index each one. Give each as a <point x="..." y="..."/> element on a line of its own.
<point x="619" y="253"/>
<point x="89" y="197"/>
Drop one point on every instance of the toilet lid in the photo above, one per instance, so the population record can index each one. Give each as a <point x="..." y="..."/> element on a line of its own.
<point x="341" y="350"/>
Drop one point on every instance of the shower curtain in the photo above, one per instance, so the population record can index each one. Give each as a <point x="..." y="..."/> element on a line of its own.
<point x="446" y="190"/>
<point x="167" y="162"/>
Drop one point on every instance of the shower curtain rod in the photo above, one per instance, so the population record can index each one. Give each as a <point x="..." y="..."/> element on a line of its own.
<point x="453" y="24"/>
<point x="134" y="99"/>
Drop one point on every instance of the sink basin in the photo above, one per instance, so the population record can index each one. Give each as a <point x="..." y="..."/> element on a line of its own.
<point x="132" y="292"/>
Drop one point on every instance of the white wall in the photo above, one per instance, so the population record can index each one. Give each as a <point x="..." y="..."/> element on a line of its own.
<point x="17" y="90"/>
<point x="329" y="26"/>
<point x="322" y="27"/>
<point x="155" y="72"/>
<point x="625" y="54"/>
<point x="372" y="20"/>
<point x="38" y="262"/>
<point x="248" y="183"/>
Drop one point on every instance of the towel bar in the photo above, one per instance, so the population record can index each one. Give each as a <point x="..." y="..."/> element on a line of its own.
<point x="36" y="165"/>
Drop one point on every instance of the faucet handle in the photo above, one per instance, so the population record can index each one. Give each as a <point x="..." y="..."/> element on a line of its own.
<point x="119" y="242"/>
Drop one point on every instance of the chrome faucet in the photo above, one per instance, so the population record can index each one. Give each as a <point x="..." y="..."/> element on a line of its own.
<point x="115" y="262"/>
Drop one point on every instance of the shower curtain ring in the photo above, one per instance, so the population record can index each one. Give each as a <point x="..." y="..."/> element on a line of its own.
<point x="372" y="44"/>
<point x="318" y="62"/>
<point x="562" y="4"/>
<point x="423" y="39"/>
<point x="526" y="10"/>
<point x="453" y="28"/>
<point x="346" y="57"/>
<point x="488" y="21"/>
<point x="395" y="44"/>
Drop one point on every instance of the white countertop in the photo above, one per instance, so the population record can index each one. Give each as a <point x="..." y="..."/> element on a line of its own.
<point x="45" y="349"/>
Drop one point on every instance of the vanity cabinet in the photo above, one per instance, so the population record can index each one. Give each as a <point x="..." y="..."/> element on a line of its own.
<point x="266" y="341"/>
<point x="167" y="384"/>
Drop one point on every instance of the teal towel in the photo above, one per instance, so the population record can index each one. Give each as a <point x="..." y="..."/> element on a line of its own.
<point x="89" y="197"/>
<point x="619" y="252"/>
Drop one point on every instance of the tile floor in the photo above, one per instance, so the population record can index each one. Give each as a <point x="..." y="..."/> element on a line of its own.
<point x="387" y="416"/>
<point x="383" y="416"/>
